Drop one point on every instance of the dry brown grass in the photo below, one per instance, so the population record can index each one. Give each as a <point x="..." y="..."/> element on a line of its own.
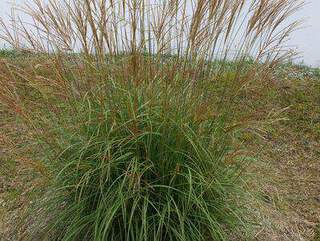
<point x="199" y="30"/>
<point x="289" y="163"/>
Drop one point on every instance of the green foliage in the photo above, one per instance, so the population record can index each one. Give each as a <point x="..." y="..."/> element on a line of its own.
<point x="140" y="163"/>
<point x="9" y="53"/>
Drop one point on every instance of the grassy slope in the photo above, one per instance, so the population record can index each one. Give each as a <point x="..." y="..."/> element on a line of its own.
<point x="290" y="158"/>
<point x="288" y="166"/>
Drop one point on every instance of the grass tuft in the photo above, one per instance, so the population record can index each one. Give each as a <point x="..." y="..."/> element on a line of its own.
<point x="140" y="167"/>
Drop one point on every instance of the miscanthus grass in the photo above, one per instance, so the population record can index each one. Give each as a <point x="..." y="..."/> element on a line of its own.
<point x="129" y="108"/>
<point x="142" y="164"/>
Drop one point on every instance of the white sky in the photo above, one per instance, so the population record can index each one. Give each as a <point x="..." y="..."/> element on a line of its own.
<point x="306" y="40"/>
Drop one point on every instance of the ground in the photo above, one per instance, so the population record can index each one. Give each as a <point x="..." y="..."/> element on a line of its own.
<point x="290" y="189"/>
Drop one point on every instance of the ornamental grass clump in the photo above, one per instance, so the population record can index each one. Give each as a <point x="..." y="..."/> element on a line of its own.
<point x="136" y="166"/>
<point x="128" y="112"/>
